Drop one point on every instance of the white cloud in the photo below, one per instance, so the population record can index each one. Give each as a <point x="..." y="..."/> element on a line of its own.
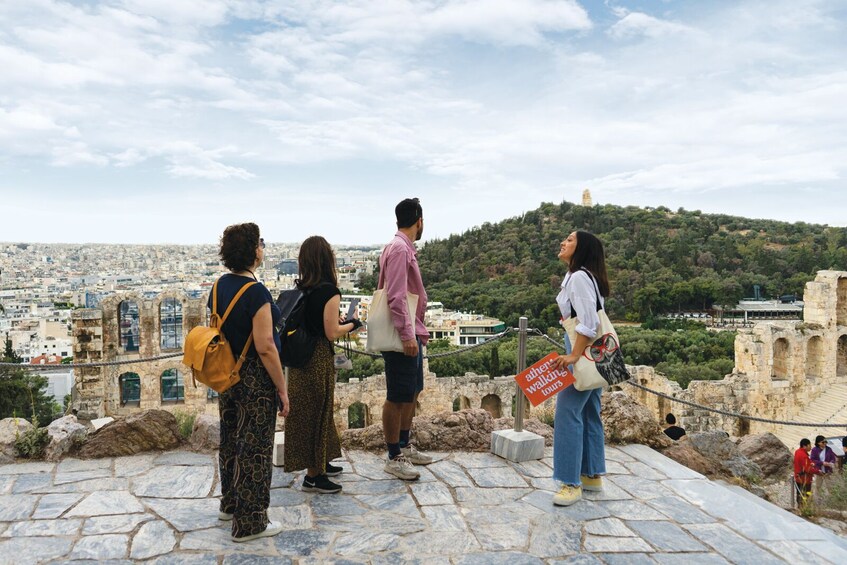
<point x="636" y="24"/>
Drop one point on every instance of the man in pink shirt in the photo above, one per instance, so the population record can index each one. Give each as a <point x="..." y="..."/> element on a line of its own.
<point x="398" y="274"/>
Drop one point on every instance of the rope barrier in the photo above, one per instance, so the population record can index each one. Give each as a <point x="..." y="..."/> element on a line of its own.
<point x="533" y="332"/>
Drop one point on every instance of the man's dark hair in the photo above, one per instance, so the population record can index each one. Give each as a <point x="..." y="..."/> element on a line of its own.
<point x="670" y="419"/>
<point x="805" y="441"/>
<point x="408" y="212"/>
<point x="238" y="246"/>
<point x="844" y="441"/>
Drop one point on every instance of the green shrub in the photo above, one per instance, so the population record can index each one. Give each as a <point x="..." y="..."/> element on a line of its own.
<point x="836" y="498"/>
<point x="185" y="423"/>
<point x="31" y="443"/>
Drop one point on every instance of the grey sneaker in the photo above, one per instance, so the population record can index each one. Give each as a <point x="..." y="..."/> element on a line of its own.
<point x="411" y="453"/>
<point x="401" y="468"/>
<point x="225" y="516"/>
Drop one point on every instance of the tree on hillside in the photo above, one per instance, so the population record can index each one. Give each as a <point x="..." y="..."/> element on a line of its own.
<point x="21" y="392"/>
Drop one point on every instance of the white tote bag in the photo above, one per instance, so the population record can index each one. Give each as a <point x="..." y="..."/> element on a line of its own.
<point x="382" y="335"/>
<point x="601" y="363"/>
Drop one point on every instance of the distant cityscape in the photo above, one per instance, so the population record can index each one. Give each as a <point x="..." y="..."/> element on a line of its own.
<point x="41" y="284"/>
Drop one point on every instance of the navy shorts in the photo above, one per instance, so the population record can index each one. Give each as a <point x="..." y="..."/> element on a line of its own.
<point x="403" y="375"/>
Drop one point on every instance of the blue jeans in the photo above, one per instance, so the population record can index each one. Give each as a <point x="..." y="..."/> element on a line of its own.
<point x="578" y="442"/>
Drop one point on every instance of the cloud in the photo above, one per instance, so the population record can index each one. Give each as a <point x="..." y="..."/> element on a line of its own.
<point x="636" y="24"/>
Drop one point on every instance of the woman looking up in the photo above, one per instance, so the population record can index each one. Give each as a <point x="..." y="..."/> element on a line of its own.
<point x="579" y="458"/>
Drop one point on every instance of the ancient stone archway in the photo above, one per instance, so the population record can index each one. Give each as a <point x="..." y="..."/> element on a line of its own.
<point x="492" y="404"/>
<point x="461" y="403"/>
<point x="781" y="359"/>
<point x="841" y="303"/>
<point x="815" y="357"/>
<point x="130" y="388"/>
<point x="358" y="416"/>
<point x="170" y="323"/>
<point x="841" y="356"/>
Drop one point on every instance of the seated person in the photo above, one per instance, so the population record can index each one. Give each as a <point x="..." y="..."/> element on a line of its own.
<point x="673" y="431"/>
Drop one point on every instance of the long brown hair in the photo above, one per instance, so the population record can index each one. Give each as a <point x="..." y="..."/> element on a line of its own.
<point x="316" y="262"/>
<point x="589" y="254"/>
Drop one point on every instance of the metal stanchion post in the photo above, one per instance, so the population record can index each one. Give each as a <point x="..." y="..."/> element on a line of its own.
<point x="518" y="444"/>
<point x="520" y="399"/>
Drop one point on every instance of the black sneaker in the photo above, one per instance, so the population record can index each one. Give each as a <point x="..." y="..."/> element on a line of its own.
<point x="332" y="470"/>
<point x="321" y="484"/>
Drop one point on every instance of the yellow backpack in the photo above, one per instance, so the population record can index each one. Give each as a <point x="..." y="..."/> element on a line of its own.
<point x="208" y="352"/>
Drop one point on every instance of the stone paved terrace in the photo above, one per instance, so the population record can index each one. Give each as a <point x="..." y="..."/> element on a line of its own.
<point x="468" y="508"/>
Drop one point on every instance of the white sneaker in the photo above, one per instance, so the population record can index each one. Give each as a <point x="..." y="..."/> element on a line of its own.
<point x="411" y="453"/>
<point x="401" y="468"/>
<point x="273" y="529"/>
<point x="225" y="516"/>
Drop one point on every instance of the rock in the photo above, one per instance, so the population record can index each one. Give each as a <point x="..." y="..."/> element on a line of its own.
<point x="145" y="431"/>
<point x="683" y="452"/>
<point x="625" y="420"/>
<point x="206" y="434"/>
<point x="770" y="454"/>
<point x="529" y="424"/>
<point x="719" y="449"/>
<point x="10" y="429"/>
<point x="62" y="435"/>
<point x="100" y="422"/>
<point x="465" y="430"/>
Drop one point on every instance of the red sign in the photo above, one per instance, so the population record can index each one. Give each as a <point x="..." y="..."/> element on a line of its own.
<point x="542" y="380"/>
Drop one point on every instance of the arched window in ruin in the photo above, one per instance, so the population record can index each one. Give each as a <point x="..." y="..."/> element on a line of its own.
<point x="841" y="356"/>
<point x="212" y="395"/>
<point x="815" y="357"/>
<point x="781" y="359"/>
<point x="461" y="403"/>
<point x="841" y="302"/>
<point x="173" y="389"/>
<point x="491" y="403"/>
<point x="130" y="387"/>
<point x="128" y="325"/>
<point x="358" y="416"/>
<point x="170" y="323"/>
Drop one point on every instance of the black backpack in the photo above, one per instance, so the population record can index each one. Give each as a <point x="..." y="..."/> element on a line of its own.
<point x="298" y="345"/>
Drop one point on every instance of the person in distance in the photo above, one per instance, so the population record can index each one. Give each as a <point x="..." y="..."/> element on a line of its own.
<point x="804" y="470"/>
<point x="579" y="456"/>
<point x="311" y="439"/>
<point x="398" y="274"/>
<point x="673" y="431"/>
<point x="822" y="456"/>
<point x="248" y="409"/>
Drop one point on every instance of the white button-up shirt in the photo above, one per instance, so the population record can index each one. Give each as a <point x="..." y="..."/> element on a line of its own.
<point x="579" y="290"/>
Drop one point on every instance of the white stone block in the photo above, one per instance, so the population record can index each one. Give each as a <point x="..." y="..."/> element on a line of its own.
<point x="279" y="449"/>
<point x="517" y="446"/>
<point x="100" y="422"/>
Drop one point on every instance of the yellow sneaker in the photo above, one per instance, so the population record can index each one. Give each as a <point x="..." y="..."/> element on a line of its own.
<point x="593" y="484"/>
<point x="567" y="495"/>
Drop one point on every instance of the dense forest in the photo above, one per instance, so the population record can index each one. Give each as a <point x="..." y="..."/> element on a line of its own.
<point x="659" y="261"/>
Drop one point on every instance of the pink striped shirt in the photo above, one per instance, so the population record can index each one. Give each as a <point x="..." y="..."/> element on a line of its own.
<point x="398" y="274"/>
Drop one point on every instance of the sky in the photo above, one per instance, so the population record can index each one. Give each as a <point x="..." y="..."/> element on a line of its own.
<point x="164" y="121"/>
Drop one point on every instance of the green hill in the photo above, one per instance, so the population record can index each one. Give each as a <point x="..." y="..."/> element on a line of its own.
<point x="659" y="261"/>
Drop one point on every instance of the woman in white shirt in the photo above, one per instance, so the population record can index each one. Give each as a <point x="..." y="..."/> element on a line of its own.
<point x="579" y="458"/>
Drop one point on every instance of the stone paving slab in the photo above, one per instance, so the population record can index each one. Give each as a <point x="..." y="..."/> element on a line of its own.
<point x="467" y="508"/>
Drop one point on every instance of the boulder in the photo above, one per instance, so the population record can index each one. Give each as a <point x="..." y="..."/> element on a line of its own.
<point x="625" y="420"/>
<point x="465" y="430"/>
<point x="63" y="434"/>
<point x="10" y="429"/>
<point x="206" y="435"/>
<point x="718" y="448"/>
<point x="769" y="453"/>
<point x="683" y="452"/>
<point x="150" y="430"/>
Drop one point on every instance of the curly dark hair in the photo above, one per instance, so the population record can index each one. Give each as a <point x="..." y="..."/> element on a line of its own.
<point x="238" y="246"/>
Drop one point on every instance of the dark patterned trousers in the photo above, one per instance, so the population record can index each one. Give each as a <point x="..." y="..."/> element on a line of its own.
<point x="248" y="417"/>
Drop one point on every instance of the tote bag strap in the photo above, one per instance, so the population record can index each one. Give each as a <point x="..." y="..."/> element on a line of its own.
<point x="596" y="291"/>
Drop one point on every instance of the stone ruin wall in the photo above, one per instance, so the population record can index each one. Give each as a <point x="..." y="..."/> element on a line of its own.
<point x="96" y="338"/>
<point x="780" y="367"/>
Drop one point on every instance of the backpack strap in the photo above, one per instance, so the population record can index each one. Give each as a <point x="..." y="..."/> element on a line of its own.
<point x="232" y="303"/>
